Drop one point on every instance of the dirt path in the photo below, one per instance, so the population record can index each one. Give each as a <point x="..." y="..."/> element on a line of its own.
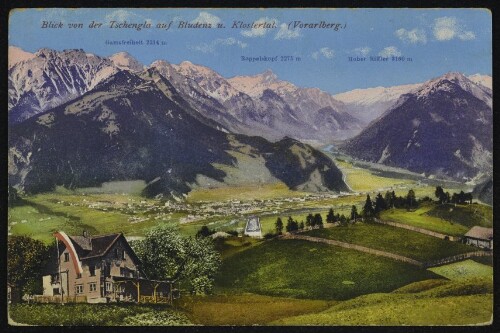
<point x="355" y="247"/>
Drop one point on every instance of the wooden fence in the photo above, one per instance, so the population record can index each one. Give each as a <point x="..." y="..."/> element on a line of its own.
<point x="356" y="247"/>
<point x="57" y="299"/>
<point x="420" y="230"/>
<point x="458" y="257"/>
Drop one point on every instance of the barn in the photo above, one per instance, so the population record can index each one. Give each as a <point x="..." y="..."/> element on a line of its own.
<point x="480" y="237"/>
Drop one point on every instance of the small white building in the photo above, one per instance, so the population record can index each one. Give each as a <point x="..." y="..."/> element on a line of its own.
<point x="480" y="237"/>
<point x="253" y="227"/>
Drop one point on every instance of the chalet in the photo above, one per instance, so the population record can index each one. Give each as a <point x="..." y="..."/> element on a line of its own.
<point x="100" y="269"/>
<point x="480" y="237"/>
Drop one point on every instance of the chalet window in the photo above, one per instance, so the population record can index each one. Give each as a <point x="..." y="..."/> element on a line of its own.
<point x="66" y="256"/>
<point x="79" y="288"/>
<point x="109" y="286"/>
<point x="54" y="278"/>
<point x="92" y="286"/>
<point x="92" y="270"/>
<point x="123" y="254"/>
<point x="55" y="291"/>
<point x="123" y="271"/>
<point x="78" y="275"/>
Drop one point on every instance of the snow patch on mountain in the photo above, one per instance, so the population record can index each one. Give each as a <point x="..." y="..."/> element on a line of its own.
<point x="16" y="55"/>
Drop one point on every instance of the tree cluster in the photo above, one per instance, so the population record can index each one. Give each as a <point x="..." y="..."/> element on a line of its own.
<point x="461" y="198"/>
<point x="389" y="200"/>
<point x="26" y="261"/>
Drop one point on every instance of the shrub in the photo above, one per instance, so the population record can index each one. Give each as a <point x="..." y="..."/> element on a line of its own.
<point x="269" y="235"/>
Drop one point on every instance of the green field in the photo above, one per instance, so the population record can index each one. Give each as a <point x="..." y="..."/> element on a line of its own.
<point x="96" y="315"/>
<point x="361" y="179"/>
<point x="43" y="214"/>
<point x="463" y="270"/>
<point x="245" y="309"/>
<point x="466" y="215"/>
<point x="394" y="240"/>
<point x="419" y="218"/>
<point x="242" y="192"/>
<point x="465" y="302"/>
<point x="302" y="269"/>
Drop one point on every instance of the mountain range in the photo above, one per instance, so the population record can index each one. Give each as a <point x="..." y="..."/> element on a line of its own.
<point x="181" y="126"/>
<point x="48" y="78"/>
<point x="443" y="127"/>
<point x="137" y="126"/>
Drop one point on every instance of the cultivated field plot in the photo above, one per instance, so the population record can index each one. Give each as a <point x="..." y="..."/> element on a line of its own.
<point x="400" y="241"/>
<point x="302" y="269"/>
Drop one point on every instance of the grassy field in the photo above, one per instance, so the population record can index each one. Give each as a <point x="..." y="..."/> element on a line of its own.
<point x="362" y="180"/>
<point x="464" y="302"/>
<point x="232" y="245"/>
<point x="419" y="218"/>
<point x="394" y="240"/>
<point x="96" y="315"/>
<point x="463" y="270"/>
<point x="245" y="309"/>
<point x="466" y="215"/>
<point x="243" y="193"/>
<point x="43" y="214"/>
<point x="301" y="269"/>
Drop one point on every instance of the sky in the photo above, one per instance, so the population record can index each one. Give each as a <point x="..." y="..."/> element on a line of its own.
<point x="432" y="42"/>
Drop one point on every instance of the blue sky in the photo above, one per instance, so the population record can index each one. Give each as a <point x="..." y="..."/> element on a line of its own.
<point x="437" y="41"/>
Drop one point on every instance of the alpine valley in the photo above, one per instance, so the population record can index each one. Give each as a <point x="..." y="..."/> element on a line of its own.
<point x="174" y="126"/>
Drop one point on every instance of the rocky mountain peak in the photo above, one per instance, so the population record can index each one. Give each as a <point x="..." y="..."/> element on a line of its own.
<point x="124" y="60"/>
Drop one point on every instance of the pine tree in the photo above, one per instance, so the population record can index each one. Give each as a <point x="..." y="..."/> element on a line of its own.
<point x="410" y="198"/>
<point x="354" y="213"/>
<point x="318" y="220"/>
<point x="309" y="220"/>
<point x="279" y="226"/>
<point x="330" y="217"/>
<point x="380" y="204"/>
<point x="368" y="211"/>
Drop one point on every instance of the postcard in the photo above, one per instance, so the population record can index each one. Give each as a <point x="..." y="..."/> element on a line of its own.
<point x="200" y="166"/>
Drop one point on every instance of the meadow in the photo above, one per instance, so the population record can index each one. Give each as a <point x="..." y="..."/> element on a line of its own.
<point x="302" y="269"/>
<point x="447" y="219"/>
<point x="394" y="240"/>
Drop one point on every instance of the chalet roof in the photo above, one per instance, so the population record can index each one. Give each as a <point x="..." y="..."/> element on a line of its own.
<point x="101" y="245"/>
<point x="480" y="233"/>
<point x="94" y="246"/>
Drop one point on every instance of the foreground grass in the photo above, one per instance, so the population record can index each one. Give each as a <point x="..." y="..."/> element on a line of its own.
<point x="394" y="240"/>
<point x="95" y="315"/>
<point x="245" y="309"/>
<point x="450" y="303"/>
<point x="301" y="269"/>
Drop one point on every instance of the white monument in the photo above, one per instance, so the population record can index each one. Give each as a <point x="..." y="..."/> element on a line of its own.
<point x="253" y="227"/>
